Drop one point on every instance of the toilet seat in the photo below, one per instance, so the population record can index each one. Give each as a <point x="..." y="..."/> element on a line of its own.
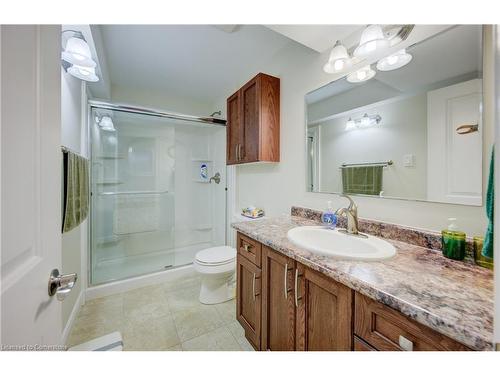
<point x="216" y="256"/>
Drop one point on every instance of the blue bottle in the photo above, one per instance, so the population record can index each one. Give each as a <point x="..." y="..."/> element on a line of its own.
<point x="328" y="217"/>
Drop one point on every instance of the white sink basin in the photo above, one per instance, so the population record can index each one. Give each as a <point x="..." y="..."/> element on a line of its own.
<point x="331" y="242"/>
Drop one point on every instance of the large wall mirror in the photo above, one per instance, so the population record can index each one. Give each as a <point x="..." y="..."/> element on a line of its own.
<point x="410" y="133"/>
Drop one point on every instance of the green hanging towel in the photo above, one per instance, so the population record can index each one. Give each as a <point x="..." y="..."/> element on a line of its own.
<point x="490" y="199"/>
<point x="76" y="191"/>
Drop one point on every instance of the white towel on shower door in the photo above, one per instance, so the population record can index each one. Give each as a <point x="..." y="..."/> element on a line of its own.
<point x="136" y="214"/>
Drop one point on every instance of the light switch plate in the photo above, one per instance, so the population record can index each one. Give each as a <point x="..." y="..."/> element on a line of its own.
<point x="409" y="160"/>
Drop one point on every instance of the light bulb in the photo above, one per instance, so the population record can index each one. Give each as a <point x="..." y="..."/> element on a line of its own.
<point x="350" y="124"/>
<point x="361" y="75"/>
<point x="365" y="121"/>
<point x="395" y="61"/>
<point x="77" y="52"/>
<point x="372" y="40"/>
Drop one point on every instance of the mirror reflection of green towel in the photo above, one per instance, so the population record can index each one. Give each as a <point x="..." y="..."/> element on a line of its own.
<point x="362" y="180"/>
<point x="76" y="204"/>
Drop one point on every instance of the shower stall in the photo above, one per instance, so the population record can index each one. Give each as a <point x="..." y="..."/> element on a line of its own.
<point x="154" y="199"/>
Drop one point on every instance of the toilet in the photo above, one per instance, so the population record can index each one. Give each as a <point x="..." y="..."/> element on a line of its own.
<point x="217" y="266"/>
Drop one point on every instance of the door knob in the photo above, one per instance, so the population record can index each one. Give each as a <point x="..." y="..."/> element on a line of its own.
<point x="61" y="285"/>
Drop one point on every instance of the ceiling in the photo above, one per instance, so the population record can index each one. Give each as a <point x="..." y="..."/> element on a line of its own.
<point x="317" y="37"/>
<point x="196" y="62"/>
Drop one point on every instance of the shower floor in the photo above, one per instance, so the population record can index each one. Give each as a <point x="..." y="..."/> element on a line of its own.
<point x="124" y="267"/>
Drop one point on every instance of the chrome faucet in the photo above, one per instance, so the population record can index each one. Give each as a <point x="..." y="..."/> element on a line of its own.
<point x="351" y="214"/>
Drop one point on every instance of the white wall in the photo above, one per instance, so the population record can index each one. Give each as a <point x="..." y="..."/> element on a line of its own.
<point x="73" y="136"/>
<point x="402" y="130"/>
<point x="276" y="187"/>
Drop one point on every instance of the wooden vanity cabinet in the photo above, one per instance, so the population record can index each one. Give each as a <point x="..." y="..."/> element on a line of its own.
<point x="284" y="305"/>
<point x="253" y="122"/>
<point x="302" y="309"/>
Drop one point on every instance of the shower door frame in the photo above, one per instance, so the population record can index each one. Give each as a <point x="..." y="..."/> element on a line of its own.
<point x="128" y="108"/>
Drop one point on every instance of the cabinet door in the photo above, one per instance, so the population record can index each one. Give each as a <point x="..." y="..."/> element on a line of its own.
<point x="324" y="312"/>
<point x="278" y="309"/>
<point x="250" y="120"/>
<point x="234" y="132"/>
<point x="248" y="299"/>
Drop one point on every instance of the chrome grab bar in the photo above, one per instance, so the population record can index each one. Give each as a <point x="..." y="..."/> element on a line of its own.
<point x="133" y="192"/>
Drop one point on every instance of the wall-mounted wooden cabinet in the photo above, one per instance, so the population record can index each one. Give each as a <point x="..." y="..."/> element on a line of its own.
<point x="284" y="305"/>
<point x="253" y="122"/>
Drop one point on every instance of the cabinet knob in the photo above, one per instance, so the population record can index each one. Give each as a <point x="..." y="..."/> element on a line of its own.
<point x="405" y="344"/>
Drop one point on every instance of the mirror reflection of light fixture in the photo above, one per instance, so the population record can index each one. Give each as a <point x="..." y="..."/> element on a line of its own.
<point x="395" y="61"/>
<point x="372" y="40"/>
<point x="361" y="75"/>
<point x="339" y="59"/>
<point x="77" y="58"/>
<point x="365" y="121"/>
<point x="106" y="123"/>
<point x="350" y="124"/>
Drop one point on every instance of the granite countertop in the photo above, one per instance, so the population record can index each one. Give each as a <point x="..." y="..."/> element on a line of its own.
<point x="452" y="297"/>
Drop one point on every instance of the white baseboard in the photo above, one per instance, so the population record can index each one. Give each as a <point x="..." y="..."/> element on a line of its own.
<point x="72" y="317"/>
<point x="138" y="282"/>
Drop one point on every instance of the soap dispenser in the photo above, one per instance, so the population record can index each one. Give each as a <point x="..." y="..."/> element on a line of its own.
<point x="453" y="241"/>
<point x="328" y="217"/>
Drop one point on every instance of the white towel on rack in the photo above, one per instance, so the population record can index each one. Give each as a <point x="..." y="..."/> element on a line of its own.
<point x="136" y="214"/>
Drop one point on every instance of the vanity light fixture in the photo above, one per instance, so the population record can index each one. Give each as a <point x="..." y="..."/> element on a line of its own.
<point x="365" y="121"/>
<point x="361" y="75"/>
<point x="395" y="61"/>
<point x="339" y="59"/>
<point x="83" y="72"/>
<point x="106" y="123"/>
<point x="77" y="59"/>
<point x="372" y="40"/>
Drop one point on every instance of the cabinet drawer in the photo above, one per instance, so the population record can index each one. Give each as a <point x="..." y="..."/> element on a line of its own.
<point x="249" y="249"/>
<point x="362" y="346"/>
<point x="387" y="329"/>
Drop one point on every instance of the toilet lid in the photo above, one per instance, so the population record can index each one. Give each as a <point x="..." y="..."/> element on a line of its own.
<point x="216" y="255"/>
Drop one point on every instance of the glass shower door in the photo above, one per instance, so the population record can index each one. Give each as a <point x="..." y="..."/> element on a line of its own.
<point x="152" y="206"/>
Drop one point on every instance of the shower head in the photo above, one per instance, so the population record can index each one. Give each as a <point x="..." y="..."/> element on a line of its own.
<point x="218" y="113"/>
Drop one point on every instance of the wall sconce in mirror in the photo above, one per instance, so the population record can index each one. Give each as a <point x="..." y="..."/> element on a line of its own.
<point x="105" y="123"/>
<point x="365" y="121"/>
<point x="76" y="57"/>
<point x="361" y="75"/>
<point x="467" y="129"/>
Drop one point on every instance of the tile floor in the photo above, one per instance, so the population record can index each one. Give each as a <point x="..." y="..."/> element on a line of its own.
<point x="162" y="317"/>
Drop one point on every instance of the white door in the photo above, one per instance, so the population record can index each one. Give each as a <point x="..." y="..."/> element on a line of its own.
<point x="30" y="184"/>
<point x="454" y="161"/>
